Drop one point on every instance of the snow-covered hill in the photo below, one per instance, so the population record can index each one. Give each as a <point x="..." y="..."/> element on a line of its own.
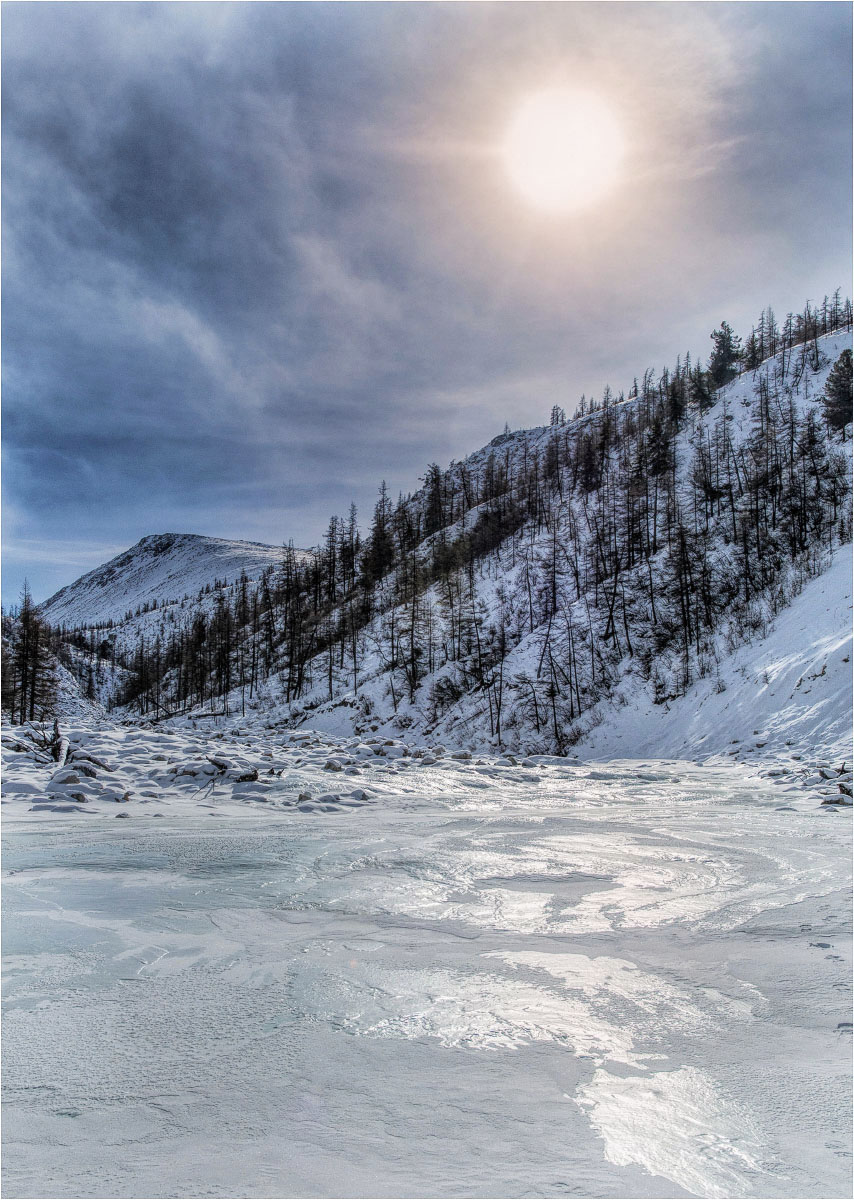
<point x="788" y="694"/>
<point x="781" y="671"/>
<point x="615" y="584"/>
<point x="161" y="567"/>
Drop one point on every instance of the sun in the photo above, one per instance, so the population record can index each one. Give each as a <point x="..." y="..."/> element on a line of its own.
<point x="563" y="149"/>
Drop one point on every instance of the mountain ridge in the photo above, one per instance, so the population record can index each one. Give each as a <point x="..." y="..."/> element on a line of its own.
<point x="161" y="567"/>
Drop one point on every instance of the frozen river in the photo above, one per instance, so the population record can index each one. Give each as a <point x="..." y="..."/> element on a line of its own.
<point x="626" y="980"/>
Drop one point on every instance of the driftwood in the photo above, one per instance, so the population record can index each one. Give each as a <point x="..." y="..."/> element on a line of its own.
<point x="59" y="745"/>
<point x="85" y="756"/>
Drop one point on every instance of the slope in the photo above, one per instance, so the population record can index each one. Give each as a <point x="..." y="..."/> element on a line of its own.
<point x="786" y="694"/>
<point x="521" y="597"/>
<point x="160" y="568"/>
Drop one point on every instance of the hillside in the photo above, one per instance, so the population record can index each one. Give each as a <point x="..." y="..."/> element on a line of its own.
<point x="160" y="569"/>
<point x="787" y="694"/>
<point x="542" y="628"/>
<point x="567" y="588"/>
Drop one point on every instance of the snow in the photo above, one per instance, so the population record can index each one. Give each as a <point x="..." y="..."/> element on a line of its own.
<point x="785" y="694"/>
<point x="435" y="976"/>
<point x="162" y="567"/>
<point x="500" y="583"/>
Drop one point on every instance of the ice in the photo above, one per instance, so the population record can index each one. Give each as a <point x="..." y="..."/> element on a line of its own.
<point x="627" y="981"/>
<point x="678" y="1126"/>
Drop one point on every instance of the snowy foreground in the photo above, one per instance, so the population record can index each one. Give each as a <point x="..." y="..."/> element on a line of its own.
<point x="373" y="972"/>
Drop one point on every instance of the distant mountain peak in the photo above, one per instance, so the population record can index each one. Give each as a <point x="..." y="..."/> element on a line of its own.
<point x="160" y="568"/>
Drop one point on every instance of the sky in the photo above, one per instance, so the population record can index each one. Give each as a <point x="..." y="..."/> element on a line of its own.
<point x="259" y="257"/>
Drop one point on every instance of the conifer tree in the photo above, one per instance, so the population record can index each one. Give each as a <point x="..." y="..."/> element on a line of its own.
<point x="837" y="393"/>
<point x="723" y="363"/>
<point x="380" y="554"/>
<point x="29" y="683"/>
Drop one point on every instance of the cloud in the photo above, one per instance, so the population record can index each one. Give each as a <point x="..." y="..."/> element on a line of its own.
<point x="258" y="257"/>
<point x="61" y="552"/>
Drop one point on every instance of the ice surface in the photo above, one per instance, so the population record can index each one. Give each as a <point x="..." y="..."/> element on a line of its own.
<point x="481" y="980"/>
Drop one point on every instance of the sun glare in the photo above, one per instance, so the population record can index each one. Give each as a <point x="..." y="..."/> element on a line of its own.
<point x="563" y="149"/>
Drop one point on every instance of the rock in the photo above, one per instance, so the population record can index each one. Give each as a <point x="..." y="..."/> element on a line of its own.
<point x="66" y="777"/>
<point x="122" y="815"/>
<point x="250" y="776"/>
<point x="462" y="755"/>
<point x="333" y="764"/>
<point x="304" y="798"/>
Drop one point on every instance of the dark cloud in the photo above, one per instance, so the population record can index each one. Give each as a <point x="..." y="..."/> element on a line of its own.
<point x="258" y="257"/>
